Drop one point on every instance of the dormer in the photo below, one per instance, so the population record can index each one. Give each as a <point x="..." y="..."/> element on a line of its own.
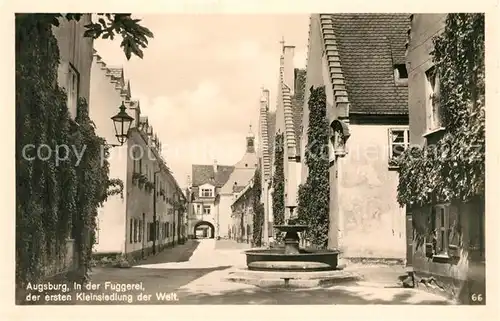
<point x="143" y="124"/>
<point x="206" y="190"/>
<point x="400" y="75"/>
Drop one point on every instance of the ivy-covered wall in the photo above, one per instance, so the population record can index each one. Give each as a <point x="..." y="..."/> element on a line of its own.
<point x="450" y="170"/>
<point x="278" y="183"/>
<point x="258" y="209"/>
<point x="55" y="200"/>
<point x="454" y="167"/>
<point x="314" y="194"/>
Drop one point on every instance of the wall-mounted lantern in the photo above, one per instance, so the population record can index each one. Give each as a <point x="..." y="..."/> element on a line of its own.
<point x="122" y="122"/>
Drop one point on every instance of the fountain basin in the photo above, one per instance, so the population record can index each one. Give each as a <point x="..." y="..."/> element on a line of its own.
<point x="305" y="260"/>
<point x="281" y="279"/>
<point x="291" y="228"/>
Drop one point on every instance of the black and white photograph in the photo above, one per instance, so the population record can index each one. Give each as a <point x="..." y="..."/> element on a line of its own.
<point x="250" y="159"/>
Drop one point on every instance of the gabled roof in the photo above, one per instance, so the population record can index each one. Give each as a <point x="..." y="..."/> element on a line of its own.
<point x="237" y="189"/>
<point x="290" y="138"/>
<point x="271" y="130"/>
<point x="239" y="177"/>
<point x="244" y="190"/>
<point x="369" y="46"/>
<point x="202" y="174"/>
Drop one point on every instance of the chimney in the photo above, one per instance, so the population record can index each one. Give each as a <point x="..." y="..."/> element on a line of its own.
<point x="289" y="69"/>
<point x="264" y="101"/>
<point x="215" y="166"/>
<point x="266" y="94"/>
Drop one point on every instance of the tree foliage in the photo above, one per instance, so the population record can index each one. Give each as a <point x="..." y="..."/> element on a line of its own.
<point x="55" y="200"/>
<point x="258" y="209"/>
<point x="314" y="194"/>
<point x="278" y="183"/>
<point x="454" y="167"/>
<point x="108" y="25"/>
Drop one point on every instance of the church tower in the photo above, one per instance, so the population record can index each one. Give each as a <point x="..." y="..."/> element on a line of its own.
<point x="250" y="141"/>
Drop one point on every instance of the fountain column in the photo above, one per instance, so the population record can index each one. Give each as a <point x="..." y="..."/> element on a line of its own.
<point x="292" y="239"/>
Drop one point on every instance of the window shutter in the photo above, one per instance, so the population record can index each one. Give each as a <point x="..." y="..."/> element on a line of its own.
<point x="389" y="144"/>
<point x="63" y="74"/>
<point x="436" y="102"/>
<point x="429" y="230"/>
<point x="454" y="231"/>
<point x="438" y="228"/>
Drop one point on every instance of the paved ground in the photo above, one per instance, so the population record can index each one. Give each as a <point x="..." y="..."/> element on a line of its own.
<point x="193" y="273"/>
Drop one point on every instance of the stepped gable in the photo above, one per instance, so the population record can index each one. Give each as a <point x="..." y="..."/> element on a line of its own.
<point x="265" y="142"/>
<point x="116" y="76"/>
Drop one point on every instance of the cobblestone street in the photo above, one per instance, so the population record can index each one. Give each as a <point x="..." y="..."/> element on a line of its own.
<point x="195" y="273"/>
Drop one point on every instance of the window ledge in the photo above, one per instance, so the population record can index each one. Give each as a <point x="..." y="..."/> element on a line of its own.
<point x="340" y="153"/>
<point x="433" y="131"/>
<point x="441" y="258"/>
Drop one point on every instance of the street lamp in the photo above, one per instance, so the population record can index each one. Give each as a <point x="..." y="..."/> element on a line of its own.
<point x="122" y="122"/>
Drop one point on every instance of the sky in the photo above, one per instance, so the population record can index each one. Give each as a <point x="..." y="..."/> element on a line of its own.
<point x="200" y="80"/>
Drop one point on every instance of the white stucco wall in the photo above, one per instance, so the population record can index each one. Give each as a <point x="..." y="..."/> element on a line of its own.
<point x="373" y="223"/>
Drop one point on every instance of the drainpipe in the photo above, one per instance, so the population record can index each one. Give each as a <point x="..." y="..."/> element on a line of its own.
<point x="154" y="211"/>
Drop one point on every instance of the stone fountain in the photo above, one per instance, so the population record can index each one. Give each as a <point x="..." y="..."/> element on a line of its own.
<point x="291" y="265"/>
<point x="291" y="257"/>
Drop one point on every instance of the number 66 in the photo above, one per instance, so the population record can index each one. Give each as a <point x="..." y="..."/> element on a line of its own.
<point x="477" y="297"/>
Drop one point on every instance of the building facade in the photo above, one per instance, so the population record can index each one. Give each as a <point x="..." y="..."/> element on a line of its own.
<point x="286" y="120"/>
<point x="454" y="257"/>
<point x="267" y="124"/>
<point x="148" y="213"/>
<point x="75" y="53"/>
<point x="212" y="191"/>
<point x="359" y="59"/>
<point x="242" y="215"/>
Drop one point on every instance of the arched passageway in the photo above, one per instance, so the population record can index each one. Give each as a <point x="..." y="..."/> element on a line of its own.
<point x="204" y="230"/>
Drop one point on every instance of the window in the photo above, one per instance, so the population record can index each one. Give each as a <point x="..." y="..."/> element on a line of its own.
<point x="151" y="231"/>
<point x="446" y="231"/>
<point x="173" y="229"/>
<point x="168" y="229"/>
<point x="399" y="141"/>
<point x="207" y="192"/>
<point x="140" y="231"/>
<point x="157" y="230"/>
<point x="73" y="85"/>
<point x="137" y="162"/>
<point x="206" y="209"/>
<point x="400" y="72"/>
<point x="136" y="231"/>
<point x="198" y="209"/>
<point x="131" y="227"/>
<point x="432" y="103"/>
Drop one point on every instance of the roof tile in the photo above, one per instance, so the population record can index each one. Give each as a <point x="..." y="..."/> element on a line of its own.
<point x="202" y="174"/>
<point x="369" y="47"/>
